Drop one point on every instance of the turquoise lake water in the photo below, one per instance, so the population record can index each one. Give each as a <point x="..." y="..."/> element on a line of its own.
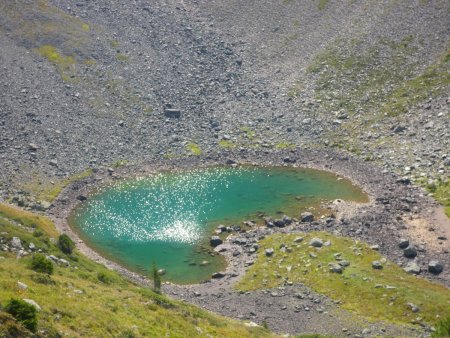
<point x="168" y="218"/>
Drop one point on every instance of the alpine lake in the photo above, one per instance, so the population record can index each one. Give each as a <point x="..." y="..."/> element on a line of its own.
<point x="168" y="218"/>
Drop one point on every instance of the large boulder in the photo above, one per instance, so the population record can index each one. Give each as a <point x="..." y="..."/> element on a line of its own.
<point x="16" y="243"/>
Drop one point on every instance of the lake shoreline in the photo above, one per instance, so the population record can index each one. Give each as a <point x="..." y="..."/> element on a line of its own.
<point x="378" y="222"/>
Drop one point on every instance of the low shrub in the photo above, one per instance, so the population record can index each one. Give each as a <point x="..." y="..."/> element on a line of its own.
<point x="66" y="244"/>
<point x="25" y="313"/>
<point x="41" y="264"/>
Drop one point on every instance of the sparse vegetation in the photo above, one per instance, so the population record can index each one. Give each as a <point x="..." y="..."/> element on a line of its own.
<point x="193" y="149"/>
<point x="156" y="278"/>
<point x="441" y="192"/>
<point x="378" y="294"/>
<point x="443" y="328"/>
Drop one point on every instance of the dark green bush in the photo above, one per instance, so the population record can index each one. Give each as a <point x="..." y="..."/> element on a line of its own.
<point x="25" y="313"/>
<point x="66" y="244"/>
<point x="41" y="264"/>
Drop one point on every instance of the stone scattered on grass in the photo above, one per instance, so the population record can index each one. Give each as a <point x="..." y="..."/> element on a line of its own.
<point x="269" y="252"/>
<point x="316" y="242"/>
<point x="377" y="265"/>
<point x="32" y="303"/>
<point x="22" y="286"/>
<point x="336" y="268"/>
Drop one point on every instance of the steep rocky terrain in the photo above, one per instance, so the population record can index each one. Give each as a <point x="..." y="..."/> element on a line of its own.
<point x="87" y="87"/>
<point x="87" y="84"/>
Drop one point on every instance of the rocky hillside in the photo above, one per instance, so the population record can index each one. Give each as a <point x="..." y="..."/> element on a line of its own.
<point x="86" y="84"/>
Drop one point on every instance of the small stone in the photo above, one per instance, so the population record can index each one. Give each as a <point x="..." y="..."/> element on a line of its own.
<point x="375" y="247"/>
<point x="269" y="252"/>
<point x="32" y="147"/>
<point x="414" y="308"/>
<point x="377" y="265"/>
<point x="316" y="242"/>
<point x="344" y="263"/>
<point x="435" y="267"/>
<point x="161" y="272"/>
<point x="298" y="239"/>
<point x="204" y="263"/>
<point x="22" y="286"/>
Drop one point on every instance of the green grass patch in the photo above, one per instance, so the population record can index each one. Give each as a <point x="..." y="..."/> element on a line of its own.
<point x="226" y="144"/>
<point x="376" y="294"/>
<point x="28" y="219"/>
<point x="46" y="191"/>
<point x="285" y="145"/>
<point x="433" y="81"/>
<point x="88" y="300"/>
<point x="193" y="149"/>
<point x="121" y="57"/>
<point x="322" y="4"/>
<point x="441" y="192"/>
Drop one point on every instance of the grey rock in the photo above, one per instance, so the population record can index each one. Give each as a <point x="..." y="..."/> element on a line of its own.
<point x="298" y="239"/>
<point x="435" y="267"/>
<point x="269" y="252"/>
<point x="215" y="241"/>
<point x="377" y="265"/>
<point x="336" y="268"/>
<point x="33" y="303"/>
<point x="172" y="113"/>
<point x="306" y="217"/>
<point x="22" y="286"/>
<point x="16" y="243"/>
<point x="403" y="243"/>
<point x="161" y="272"/>
<point x="412" y="267"/>
<point x="410" y="252"/>
<point x="218" y="275"/>
<point x="316" y="242"/>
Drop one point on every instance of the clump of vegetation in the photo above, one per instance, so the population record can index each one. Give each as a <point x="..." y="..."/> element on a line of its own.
<point x="443" y="328"/>
<point x="193" y="148"/>
<point x="105" y="277"/>
<point x="377" y="294"/>
<point x="25" y="313"/>
<point x="433" y="81"/>
<point x="40" y="263"/>
<point x="284" y="145"/>
<point x="10" y="327"/>
<point x="65" y="244"/>
<point x="441" y="192"/>
<point x="322" y="4"/>
<point x="226" y="144"/>
<point x="64" y="64"/>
